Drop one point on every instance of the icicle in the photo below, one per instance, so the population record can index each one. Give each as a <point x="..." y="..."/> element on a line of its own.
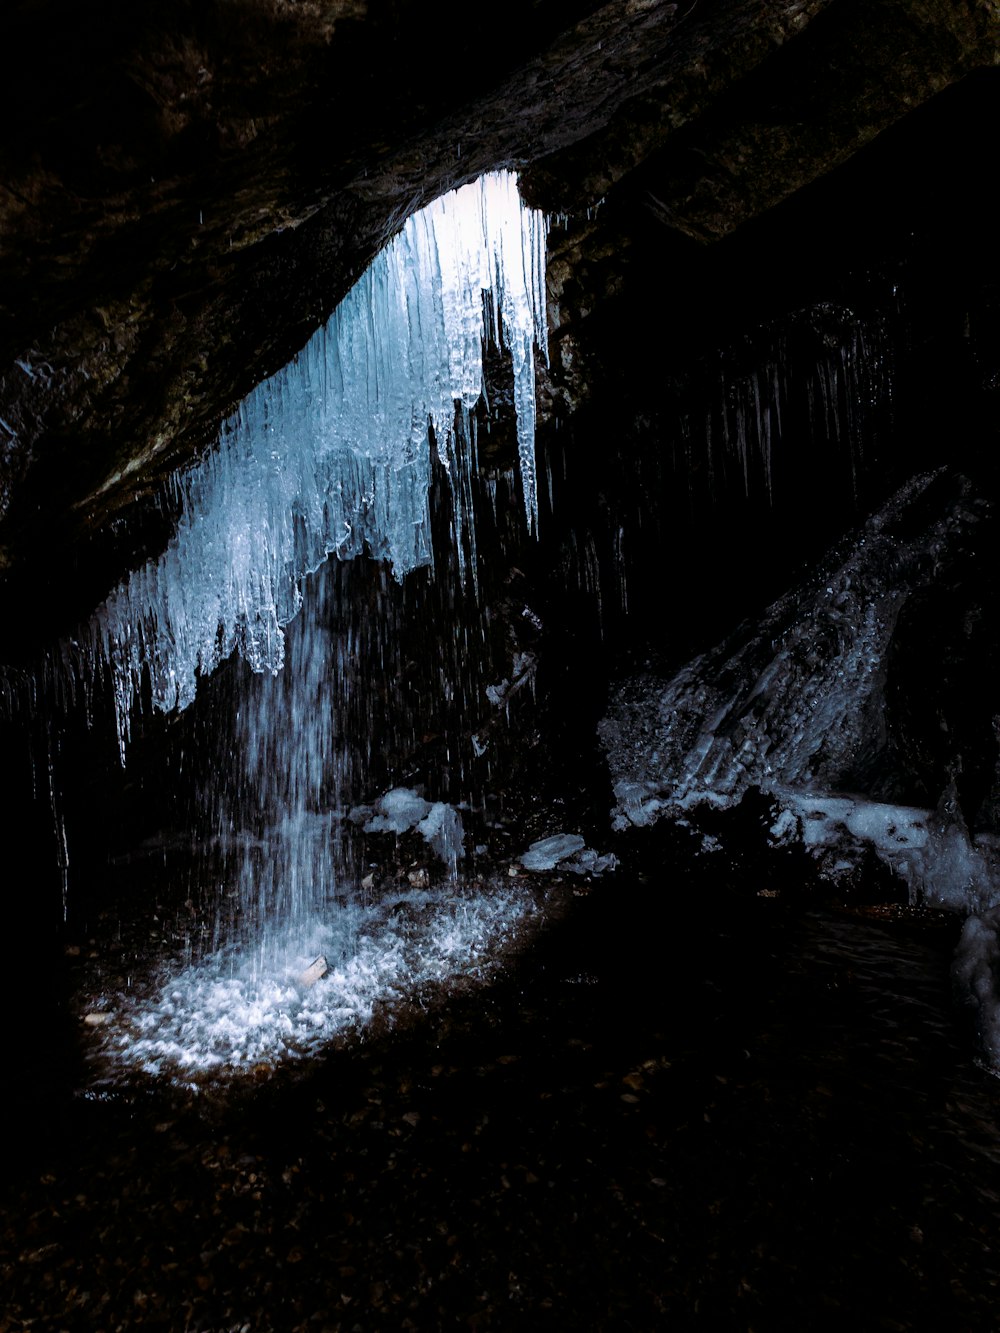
<point x="330" y="456"/>
<point x="58" y="818"/>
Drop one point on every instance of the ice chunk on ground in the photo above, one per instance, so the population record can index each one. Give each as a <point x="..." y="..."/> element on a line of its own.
<point x="439" y="824"/>
<point x="590" y="862"/>
<point x="399" y="810"/>
<point x="546" y="853"/>
<point x="442" y="829"/>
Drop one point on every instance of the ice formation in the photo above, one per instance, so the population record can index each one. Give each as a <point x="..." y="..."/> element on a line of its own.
<point x="399" y="810"/>
<point x="546" y="853"/>
<point x="932" y="851"/>
<point x="793" y="706"/>
<point x="331" y="456"/>
<point x="439" y="824"/>
<point x="569" y="852"/>
<point x="976" y="968"/>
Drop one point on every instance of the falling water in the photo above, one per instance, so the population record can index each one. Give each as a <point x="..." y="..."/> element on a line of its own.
<point x="330" y="456"/>
<point x="340" y="454"/>
<point x="823" y="378"/>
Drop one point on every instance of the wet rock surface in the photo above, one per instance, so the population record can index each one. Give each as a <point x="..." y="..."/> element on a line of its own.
<point x="691" y="1100"/>
<point x="756" y="1114"/>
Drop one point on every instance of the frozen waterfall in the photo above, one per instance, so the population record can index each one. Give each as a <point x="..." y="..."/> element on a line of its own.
<point x="308" y="920"/>
<point x="331" y="455"/>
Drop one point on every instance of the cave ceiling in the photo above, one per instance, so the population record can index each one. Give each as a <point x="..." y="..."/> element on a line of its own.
<point x="186" y="191"/>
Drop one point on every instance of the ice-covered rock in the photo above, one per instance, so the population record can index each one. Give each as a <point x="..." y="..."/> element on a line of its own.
<point x="931" y="851"/>
<point x="439" y="824"/>
<point x="794" y="706"/>
<point x="441" y="828"/>
<point x="398" y="811"/>
<point x="546" y="853"/>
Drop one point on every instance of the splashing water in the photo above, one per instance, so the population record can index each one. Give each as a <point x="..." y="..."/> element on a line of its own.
<point x="223" y="1016"/>
<point x="331" y="456"/>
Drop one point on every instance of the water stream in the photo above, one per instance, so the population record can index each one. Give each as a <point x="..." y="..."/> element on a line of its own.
<point x="332" y="541"/>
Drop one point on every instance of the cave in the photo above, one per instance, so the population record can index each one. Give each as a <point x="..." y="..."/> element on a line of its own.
<point x="545" y="870"/>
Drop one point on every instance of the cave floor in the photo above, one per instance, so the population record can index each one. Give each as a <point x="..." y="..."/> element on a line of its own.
<point x="742" y="1114"/>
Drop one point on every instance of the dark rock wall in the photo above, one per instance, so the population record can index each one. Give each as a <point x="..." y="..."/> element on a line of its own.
<point x="182" y="202"/>
<point x="181" y="206"/>
<point x="185" y="195"/>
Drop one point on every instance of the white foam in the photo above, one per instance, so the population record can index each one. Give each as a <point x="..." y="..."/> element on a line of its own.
<point x="222" y="1017"/>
